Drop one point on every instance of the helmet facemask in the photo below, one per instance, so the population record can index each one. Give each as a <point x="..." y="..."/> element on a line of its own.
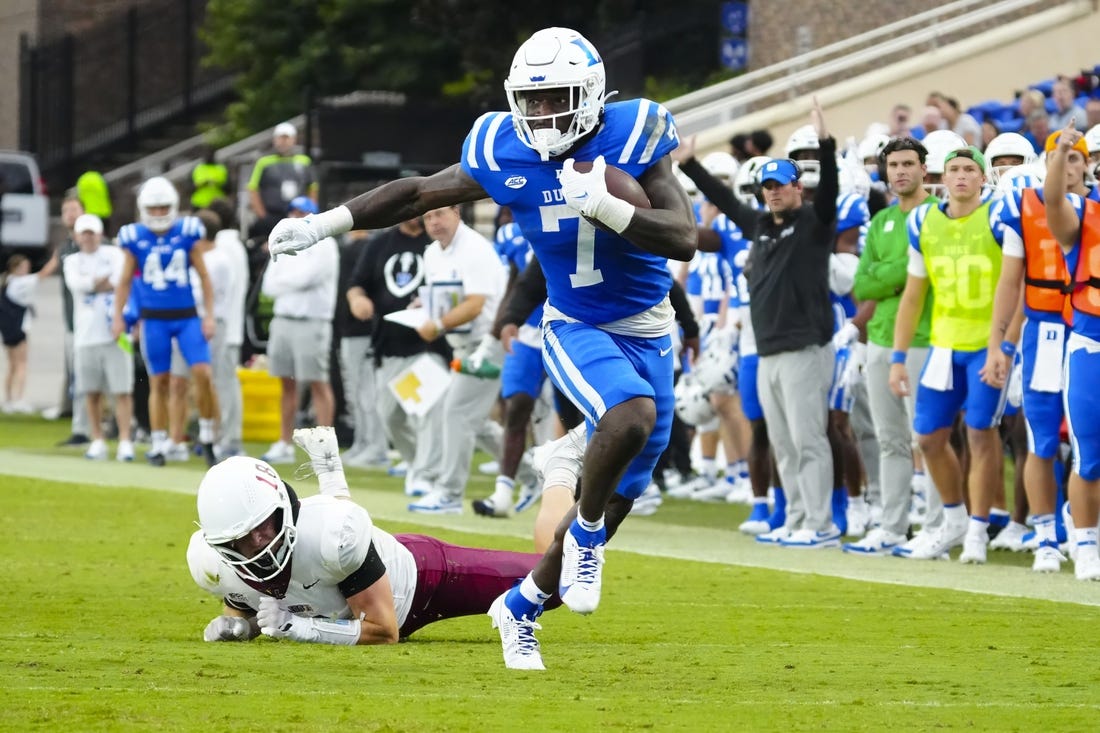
<point x="556" y="59"/>
<point x="270" y="560"/>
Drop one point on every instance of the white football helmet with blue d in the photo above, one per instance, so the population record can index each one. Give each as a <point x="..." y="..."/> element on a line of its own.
<point x="802" y="140"/>
<point x="693" y="402"/>
<point x="556" y="58"/>
<point x="1007" y="145"/>
<point x="157" y="192"/>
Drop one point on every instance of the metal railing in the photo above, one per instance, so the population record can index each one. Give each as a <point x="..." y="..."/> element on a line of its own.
<point x="84" y="92"/>
<point x="724" y="102"/>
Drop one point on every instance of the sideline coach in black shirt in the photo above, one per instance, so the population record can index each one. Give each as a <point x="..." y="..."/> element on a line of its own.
<point x="788" y="278"/>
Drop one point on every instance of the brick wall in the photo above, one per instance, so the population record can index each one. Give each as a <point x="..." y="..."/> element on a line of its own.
<point x="780" y="29"/>
<point x="58" y="17"/>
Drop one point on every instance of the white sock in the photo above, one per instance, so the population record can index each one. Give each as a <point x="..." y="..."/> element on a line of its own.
<point x="531" y="592"/>
<point x="710" y="468"/>
<point x="159" y="439"/>
<point x="978" y="527"/>
<point x="955" y="514"/>
<point x="504" y="486"/>
<point x="206" y="430"/>
<point x="590" y="526"/>
<point x="1084" y="537"/>
<point x="1045" y="530"/>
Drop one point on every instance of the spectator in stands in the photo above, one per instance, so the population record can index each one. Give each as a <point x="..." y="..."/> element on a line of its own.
<point x="931" y="119"/>
<point x="102" y="366"/>
<point x="901" y="117"/>
<point x="990" y="130"/>
<point x="1030" y="101"/>
<point x="739" y="147"/>
<point x="759" y="142"/>
<point x="1066" y="108"/>
<point x="71" y="209"/>
<point x="304" y="289"/>
<point x="278" y="179"/>
<point x="17" y="290"/>
<point x="209" y="179"/>
<point x="961" y="123"/>
<point x="1092" y="113"/>
<point x="1037" y="129"/>
<point x="94" y="194"/>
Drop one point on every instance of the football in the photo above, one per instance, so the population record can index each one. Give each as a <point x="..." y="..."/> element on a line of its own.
<point x="620" y="184"/>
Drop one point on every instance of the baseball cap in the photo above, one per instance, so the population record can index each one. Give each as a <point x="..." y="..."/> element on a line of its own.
<point x="780" y="170"/>
<point x="302" y="203"/>
<point x="88" y="223"/>
<point x="1052" y="143"/>
<point x="285" y="128"/>
<point x="968" y="152"/>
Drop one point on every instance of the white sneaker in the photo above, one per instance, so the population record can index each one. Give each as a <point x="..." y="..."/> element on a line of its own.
<point x="279" y="452"/>
<point x="775" y="537"/>
<point x="97" y="451"/>
<point x="1010" y="538"/>
<point x="808" y="539"/>
<point x="582" y="559"/>
<point x="879" y="542"/>
<point x="125" y="451"/>
<point x="400" y="470"/>
<point x="648" y="503"/>
<point x="687" y="489"/>
<point x="517" y="637"/>
<point x="416" y="486"/>
<point x="499" y="504"/>
<point x="321" y="446"/>
<point x="436" y="502"/>
<point x="529" y="494"/>
<point x="974" y="547"/>
<point x="754" y="527"/>
<point x="858" y="515"/>
<point x="718" y="490"/>
<point x="1087" y="564"/>
<point x="178" y="452"/>
<point x="489" y="468"/>
<point x="569" y="449"/>
<point x="740" y="491"/>
<point x="1047" y="560"/>
<point x="935" y="544"/>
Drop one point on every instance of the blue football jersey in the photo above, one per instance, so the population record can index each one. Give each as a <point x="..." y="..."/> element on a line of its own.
<point x="591" y="275"/>
<point x="162" y="277"/>
<point x="515" y="250"/>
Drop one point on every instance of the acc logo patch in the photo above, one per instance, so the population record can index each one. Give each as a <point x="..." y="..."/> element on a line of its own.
<point x="516" y="182"/>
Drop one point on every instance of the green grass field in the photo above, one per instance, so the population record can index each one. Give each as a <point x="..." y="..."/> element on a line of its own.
<point x="699" y="629"/>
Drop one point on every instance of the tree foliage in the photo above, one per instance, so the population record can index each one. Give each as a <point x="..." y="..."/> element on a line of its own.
<point x="427" y="48"/>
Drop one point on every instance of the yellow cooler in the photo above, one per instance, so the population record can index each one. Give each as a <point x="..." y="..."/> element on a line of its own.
<point x="260" y="394"/>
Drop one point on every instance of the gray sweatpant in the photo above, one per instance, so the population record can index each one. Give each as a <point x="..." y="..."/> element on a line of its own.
<point x="360" y="394"/>
<point x="893" y="420"/>
<point x="794" y="391"/>
<point x="224" y="360"/>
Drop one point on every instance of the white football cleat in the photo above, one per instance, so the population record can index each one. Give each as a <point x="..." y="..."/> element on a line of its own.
<point x="517" y="637"/>
<point x="582" y="558"/>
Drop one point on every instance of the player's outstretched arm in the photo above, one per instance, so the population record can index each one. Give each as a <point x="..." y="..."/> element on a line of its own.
<point x="1061" y="217"/>
<point x="378" y="208"/>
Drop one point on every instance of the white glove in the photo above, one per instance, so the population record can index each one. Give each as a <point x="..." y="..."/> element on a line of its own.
<point x="279" y="623"/>
<point x="490" y="350"/>
<point x="853" y="369"/>
<point x="291" y="235"/>
<point x="848" y="333"/>
<point x="586" y="193"/>
<point x="229" y="628"/>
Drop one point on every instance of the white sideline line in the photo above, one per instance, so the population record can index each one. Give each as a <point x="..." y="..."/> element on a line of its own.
<point x="638" y="535"/>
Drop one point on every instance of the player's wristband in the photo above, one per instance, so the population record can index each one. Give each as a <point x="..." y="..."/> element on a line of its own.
<point x="1008" y="348"/>
<point x="613" y="212"/>
<point x="897" y="357"/>
<point x="332" y="222"/>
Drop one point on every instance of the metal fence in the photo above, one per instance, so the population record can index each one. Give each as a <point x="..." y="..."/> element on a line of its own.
<point x="84" y="92"/>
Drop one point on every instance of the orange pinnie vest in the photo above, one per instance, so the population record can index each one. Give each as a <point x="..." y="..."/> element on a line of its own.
<point x="1046" y="277"/>
<point x="1086" y="290"/>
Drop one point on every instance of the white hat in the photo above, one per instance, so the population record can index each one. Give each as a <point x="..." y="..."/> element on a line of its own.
<point x="285" y="128"/>
<point x="88" y="223"/>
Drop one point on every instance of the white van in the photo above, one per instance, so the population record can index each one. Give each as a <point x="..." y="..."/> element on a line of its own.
<point x="23" y="200"/>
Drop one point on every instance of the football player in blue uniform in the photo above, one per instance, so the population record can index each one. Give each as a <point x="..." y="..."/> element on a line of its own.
<point x="160" y="252"/>
<point x="607" y="320"/>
